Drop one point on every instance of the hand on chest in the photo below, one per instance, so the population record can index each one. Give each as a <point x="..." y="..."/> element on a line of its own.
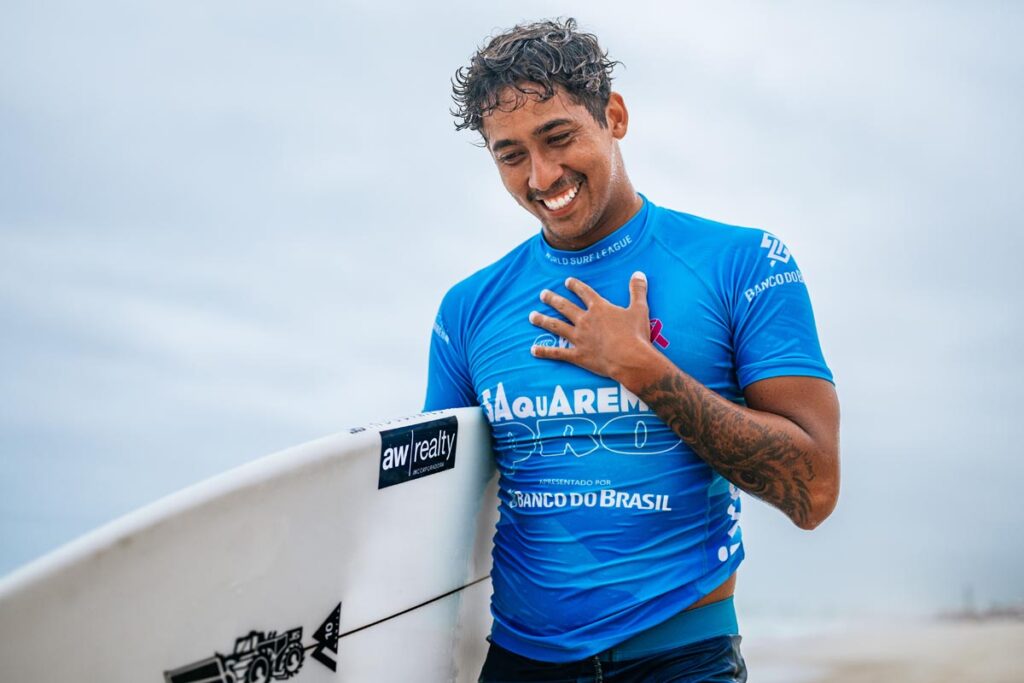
<point x="687" y="327"/>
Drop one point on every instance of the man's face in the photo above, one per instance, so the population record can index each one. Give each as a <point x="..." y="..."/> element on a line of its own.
<point x="562" y="166"/>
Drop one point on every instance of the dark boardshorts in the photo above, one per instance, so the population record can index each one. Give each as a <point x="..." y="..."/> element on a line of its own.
<point x="716" y="660"/>
<point x="695" y="646"/>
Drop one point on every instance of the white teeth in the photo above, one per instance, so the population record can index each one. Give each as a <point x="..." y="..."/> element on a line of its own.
<point x="561" y="201"/>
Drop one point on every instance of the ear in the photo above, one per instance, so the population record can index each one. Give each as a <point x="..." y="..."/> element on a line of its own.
<point x="617" y="116"/>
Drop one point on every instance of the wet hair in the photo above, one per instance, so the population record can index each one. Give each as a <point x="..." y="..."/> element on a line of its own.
<point x="531" y="60"/>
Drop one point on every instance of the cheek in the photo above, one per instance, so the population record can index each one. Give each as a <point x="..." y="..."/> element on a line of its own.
<point x="511" y="179"/>
<point x="599" y="176"/>
<point x="592" y="160"/>
<point x="516" y="186"/>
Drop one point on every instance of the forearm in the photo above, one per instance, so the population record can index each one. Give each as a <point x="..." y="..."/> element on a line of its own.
<point x="765" y="454"/>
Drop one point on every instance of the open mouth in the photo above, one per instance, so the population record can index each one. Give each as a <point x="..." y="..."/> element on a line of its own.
<point x="562" y="201"/>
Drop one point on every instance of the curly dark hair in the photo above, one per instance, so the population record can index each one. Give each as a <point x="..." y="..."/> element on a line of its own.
<point x="532" y="59"/>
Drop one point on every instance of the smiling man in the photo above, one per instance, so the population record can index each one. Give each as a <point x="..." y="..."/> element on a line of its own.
<point x="639" y="367"/>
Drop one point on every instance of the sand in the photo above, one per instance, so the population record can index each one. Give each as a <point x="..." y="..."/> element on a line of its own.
<point x="902" y="651"/>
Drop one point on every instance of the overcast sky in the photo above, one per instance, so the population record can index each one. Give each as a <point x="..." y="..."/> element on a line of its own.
<point x="225" y="229"/>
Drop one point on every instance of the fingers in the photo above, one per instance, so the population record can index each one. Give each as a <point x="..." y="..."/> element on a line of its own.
<point x="553" y="325"/>
<point x="584" y="291"/>
<point x="571" y="311"/>
<point x="638" y="290"/>
<point x="553" y="353"/>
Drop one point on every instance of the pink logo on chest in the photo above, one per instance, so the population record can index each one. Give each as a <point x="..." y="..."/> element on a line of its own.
<point x="656" y="336"/>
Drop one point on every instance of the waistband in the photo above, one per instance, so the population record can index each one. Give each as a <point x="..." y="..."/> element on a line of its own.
<point x="689" y="626"/>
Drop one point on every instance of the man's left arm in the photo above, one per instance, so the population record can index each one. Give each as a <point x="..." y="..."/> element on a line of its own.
<point x="782" y="447"/>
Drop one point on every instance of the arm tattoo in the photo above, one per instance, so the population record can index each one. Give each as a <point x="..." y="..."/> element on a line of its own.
<point x="760" y="459"/>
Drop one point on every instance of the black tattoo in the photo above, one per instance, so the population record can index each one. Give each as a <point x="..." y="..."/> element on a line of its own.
<point x="763" y="461"/>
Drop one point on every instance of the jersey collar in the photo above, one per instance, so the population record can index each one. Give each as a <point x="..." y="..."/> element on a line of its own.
<point x="607" y="250"/>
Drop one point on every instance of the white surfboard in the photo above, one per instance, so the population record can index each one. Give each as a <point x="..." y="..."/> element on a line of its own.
<point x="360" y="557"/>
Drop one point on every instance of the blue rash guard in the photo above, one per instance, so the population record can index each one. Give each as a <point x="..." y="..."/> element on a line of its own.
<point x="609" y="524"/>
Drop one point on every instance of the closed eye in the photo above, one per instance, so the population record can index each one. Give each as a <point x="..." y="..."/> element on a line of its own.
<point x="510" y="158"/>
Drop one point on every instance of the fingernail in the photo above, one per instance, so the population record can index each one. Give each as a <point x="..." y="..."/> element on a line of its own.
<point x="533" y="350"/>
<point x="640" y="275"/>
<point x="544" y="293"/>
<point x="568" y="281"/>
<point x="533" y="316"/>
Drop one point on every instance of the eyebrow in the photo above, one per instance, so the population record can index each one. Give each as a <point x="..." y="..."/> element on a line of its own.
<point x="537" y="132"/>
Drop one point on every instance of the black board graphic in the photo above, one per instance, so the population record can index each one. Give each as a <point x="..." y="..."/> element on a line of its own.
<point x="418" y="450"/>
<point x="326" y="638"/>
<point x="263" y="657"/>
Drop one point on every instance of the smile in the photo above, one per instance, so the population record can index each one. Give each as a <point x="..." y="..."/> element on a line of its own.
<point x="563" y="200"/>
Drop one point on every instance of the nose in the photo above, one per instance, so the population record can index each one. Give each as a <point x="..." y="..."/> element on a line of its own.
<point x="544" y="172"/>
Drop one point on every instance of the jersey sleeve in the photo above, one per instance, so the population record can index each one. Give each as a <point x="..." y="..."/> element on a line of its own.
<point x="773" y="325"/>
<point x="448" y="380"/>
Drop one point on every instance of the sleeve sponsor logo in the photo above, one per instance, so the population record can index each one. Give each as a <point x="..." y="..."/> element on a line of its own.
<point x="441" y="332"/>
<point x="777" y="251"/>
<point x="773" y="281"/>
<point x="417" y="450"/>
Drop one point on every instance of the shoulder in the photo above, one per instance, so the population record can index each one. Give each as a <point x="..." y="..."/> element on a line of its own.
<point x="731" y="260"/>
<point x="718" y="254"/>
<point x="702" y="240"/>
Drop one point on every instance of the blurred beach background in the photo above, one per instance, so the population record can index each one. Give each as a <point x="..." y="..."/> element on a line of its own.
<point x="225" y="229"/>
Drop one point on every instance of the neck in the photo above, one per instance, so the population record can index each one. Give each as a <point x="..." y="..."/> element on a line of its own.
<point x="624" y="204"/>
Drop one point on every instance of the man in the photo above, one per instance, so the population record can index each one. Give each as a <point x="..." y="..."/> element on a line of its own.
<point x="638" y="367"/>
